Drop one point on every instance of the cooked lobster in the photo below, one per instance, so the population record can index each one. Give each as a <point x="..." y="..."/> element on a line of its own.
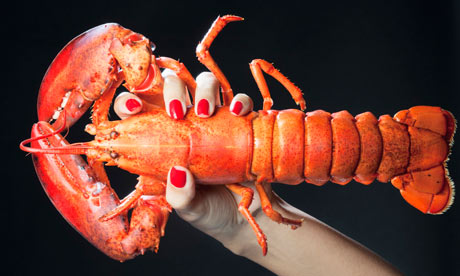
<point x="288" y="146"/>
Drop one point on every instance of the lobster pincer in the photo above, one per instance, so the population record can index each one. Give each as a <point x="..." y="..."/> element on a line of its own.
<point x="83" y="197"/>
<point x="85" y="69"/>
<point x="94" y="64"/>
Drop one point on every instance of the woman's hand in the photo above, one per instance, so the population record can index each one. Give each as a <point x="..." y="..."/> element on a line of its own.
<point x="212" y="209"/>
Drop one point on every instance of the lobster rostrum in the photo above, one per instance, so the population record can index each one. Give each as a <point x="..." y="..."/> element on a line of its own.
<point x="288" y="146"/>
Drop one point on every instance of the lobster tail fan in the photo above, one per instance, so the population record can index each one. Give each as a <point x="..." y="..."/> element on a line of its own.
<point x="416" y="190"/>
<point x="450" y="132"/>
<point x="451" y="198"/>
<point x="427" y="185"/>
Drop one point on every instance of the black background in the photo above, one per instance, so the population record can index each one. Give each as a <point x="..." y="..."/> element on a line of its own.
<point x="379" y="56"/>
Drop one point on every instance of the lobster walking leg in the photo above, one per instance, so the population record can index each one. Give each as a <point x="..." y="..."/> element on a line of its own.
<point x="147" y="225"/>
<point x="146" y="186"/>
<point x="246" y="200"/>
<point x="180" y="70"/>
<point x="259" y="65"/>
<point x="202" y="52"/>
<point x="270" y="212"/>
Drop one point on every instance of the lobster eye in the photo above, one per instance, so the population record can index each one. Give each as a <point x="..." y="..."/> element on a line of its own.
<point x="127" y="104"/>
<point x="152" y="46"/>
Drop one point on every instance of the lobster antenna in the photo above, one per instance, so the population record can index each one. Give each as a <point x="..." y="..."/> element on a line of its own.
<point x="78" y="148"/>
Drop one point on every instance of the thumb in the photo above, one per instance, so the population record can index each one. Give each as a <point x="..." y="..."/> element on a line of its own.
<point x="212" y="207"/>
<point x="180" y="188"/>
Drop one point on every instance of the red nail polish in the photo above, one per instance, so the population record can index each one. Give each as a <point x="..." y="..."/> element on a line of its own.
<point x="203" y="107"/>
<point x="132" y="104"/>
<point x="237" y="107"/>
<point x="177" y="178"/>
<point x="175" y="108"/>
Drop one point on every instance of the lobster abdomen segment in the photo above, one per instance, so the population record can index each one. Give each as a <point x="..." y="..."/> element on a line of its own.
<point x="371" y="148"/>
<point x="396" y="148"/>
<point x="345" y="147"/>
<point x="291" y="147"/>
<point x="318" y="147"/>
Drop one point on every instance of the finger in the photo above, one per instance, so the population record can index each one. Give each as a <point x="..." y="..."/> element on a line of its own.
<point x="127" y="104"/>
<point x="174" y="94"/>
<point x="241" y="105"/>
<point x="206" y="93"/>
<point x="180" y="188"/>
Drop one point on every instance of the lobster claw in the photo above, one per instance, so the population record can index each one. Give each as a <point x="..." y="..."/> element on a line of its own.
<point x="84" y="198"/>
<point x="133" y="56"/>
<point x="77" y="193"/>
<point x="88" y="66"/>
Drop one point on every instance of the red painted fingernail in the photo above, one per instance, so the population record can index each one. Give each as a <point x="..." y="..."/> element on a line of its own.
<point x="203" y="107"/>
<point x="237" y="107"/>
<point x="177" y="178"/>
<point x="175" y="108"/>
<point x="132" y="104"/>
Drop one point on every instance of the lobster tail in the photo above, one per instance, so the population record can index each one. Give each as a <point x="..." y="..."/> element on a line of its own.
<point x="427" y="185"/>
<point x="410" y="150"/>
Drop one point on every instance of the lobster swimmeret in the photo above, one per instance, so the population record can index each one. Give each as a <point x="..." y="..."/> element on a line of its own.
<point x="288" y="146"/>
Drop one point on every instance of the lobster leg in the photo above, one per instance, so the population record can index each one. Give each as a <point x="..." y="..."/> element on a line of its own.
<point x="146" y="186"/>
<point x="180" y="70"/>
<point x="100" y="112"/>
<point x="147" y="225"/>
<point x="270" y="212"/>
<point x="99" y="171"/>
<point x="259" y="65"/>
<point x="151" y="90"/>
<point x="246" y="200"/>
<point x="202" y="52"/>
<point x="102" y="105"/>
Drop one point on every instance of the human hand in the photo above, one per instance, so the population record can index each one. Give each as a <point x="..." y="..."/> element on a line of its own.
<point x="176" y="98"/>
<point x="213" y="209"/>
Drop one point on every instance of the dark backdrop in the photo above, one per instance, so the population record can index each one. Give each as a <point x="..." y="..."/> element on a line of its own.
<point x="382" y="57"/>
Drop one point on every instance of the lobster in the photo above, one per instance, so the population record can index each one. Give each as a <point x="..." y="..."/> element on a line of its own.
<point x="287" y="146"/>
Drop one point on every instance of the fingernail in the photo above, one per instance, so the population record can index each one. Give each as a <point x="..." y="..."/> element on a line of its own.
<point x="203" y="107"/>
<point x="237" y="107"/>
<point x="175" y="108"/>
<point x="177" y="178"/>
<point x="132" y="104"/>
